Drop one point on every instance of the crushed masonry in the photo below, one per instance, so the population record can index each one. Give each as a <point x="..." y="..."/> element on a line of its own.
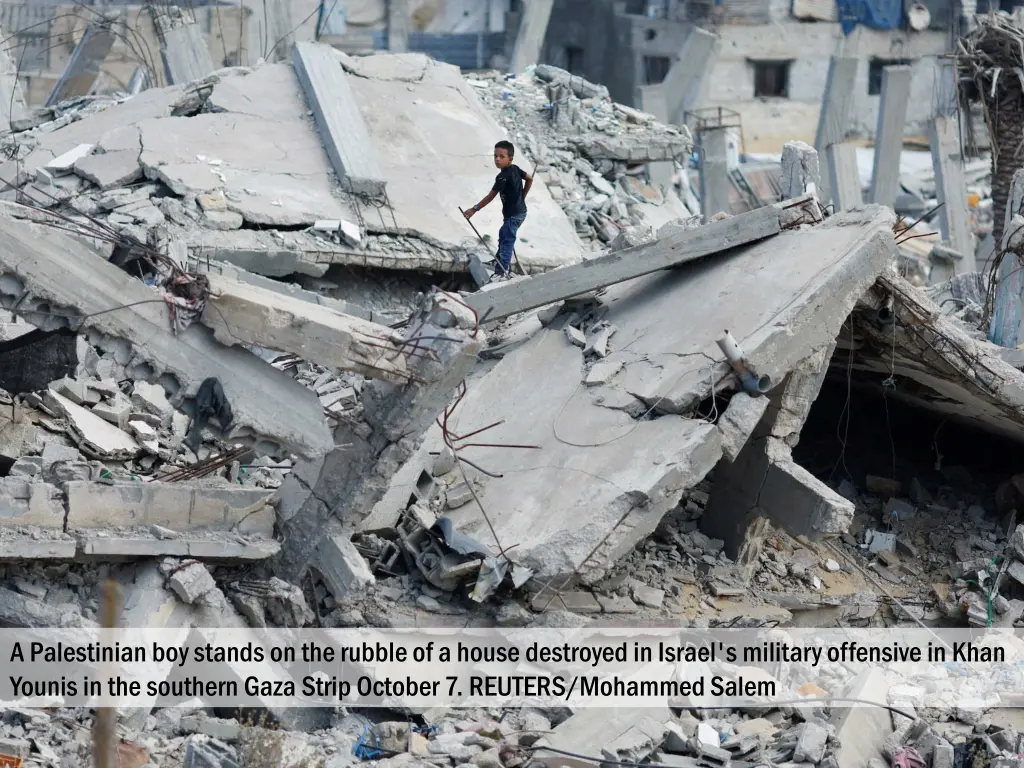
<point x="271" y="384"/>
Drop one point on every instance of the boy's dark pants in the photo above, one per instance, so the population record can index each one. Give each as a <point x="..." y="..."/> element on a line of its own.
<point x="507" y="243"/>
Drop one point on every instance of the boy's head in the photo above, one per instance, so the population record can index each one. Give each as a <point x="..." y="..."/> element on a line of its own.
<point x="504" y="152"/>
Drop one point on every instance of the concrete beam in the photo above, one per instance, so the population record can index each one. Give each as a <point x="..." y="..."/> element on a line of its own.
<point x="182" y="46"/>
<point x="341" y="125"/>
<point x="398" y="26"/>
<point x="330" y="497"/>
<point x="833" y="121"/>
<point x="538" y="291"/>
<point x="951" y="190"/>
<point x="55" y="282"/>
<point x="12" y="99"/>
<point x="1006" y="311"/>
<point x="176" y="506"/>
<point x="892" y="117"/>
<point x="714" y="173"/>
<point x="842" y="170"/>
<point x="533" y="27"/>
<point x="801" y="173"/>
<point x="241" y="313"/>
<point x="651" y="99"/>
<point x="84" y="65"/>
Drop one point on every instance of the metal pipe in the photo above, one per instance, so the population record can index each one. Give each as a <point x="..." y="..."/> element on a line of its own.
<point x="754" y="384"/>
<point x="731" y="349"/>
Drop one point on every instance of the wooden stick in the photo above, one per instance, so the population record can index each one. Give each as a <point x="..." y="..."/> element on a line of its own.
<point x="104" y="730"/>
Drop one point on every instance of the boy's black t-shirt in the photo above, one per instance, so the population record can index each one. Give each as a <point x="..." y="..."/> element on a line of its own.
<point x="509" y="184"/>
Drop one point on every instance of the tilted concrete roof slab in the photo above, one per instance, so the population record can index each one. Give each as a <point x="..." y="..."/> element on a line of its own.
<point x="602" y="480"/>
<point x="54" y="282"/>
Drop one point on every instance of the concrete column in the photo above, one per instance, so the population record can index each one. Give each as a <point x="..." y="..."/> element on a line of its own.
<point x="800" y="172"/>
<point x="833" y="121"/>
<point x="687" y="78"/>
<point x="714" y="172"/>
<point x="1005" y="329"/>
<point x="530" y="38"/>
<point x="398" y="26"/>
<point x="331" y="496"/>
<point x="951" y="190"/>
<point x="496" y="15"/>
<point x="764" y="481"/>
<point x="892" y="117"/>
<point x="84" y="64"/>
<point x="842" y="169"/>
<point x="182" y="46"/>
<point x="12" y="100"/>
<point x="651" y="99"/>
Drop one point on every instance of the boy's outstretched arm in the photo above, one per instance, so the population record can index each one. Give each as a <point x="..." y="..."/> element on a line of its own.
<point x="481" y="204"/>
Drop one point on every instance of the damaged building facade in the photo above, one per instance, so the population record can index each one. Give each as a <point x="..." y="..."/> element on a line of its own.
<point x="768" y="67"/>
<point x="270" y="384"/>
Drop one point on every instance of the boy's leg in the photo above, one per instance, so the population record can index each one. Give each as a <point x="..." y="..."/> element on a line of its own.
<point x="507" y="243"/>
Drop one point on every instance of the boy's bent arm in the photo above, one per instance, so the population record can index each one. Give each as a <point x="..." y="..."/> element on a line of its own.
<point x="481" y="204"/>
<point x="526" y="187"/>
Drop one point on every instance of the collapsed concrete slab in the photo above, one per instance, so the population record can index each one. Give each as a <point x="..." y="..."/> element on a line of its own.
<point x="902" y="334"/>
<point x="779" y="298"/>
<point x="240" y="313"/>
<point x="272" y="412"/>
<point x="182" y="46"/>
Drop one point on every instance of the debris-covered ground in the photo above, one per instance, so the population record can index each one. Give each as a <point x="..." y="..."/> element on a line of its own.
<point x="254" y="394"/>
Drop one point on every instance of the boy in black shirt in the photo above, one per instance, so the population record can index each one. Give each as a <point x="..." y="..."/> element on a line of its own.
<point x="509" y="184"/>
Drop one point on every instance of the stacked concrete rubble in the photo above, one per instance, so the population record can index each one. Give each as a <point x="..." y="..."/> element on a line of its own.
<point x="328" y="405"/>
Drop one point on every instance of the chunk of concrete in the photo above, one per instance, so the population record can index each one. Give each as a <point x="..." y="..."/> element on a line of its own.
<point x="17" y="610"/>
<point x="273" y="413"/>
<point x="110" y="170"/>
<point x="240" y="313"/>
<point x="191" y="582"/>
<point x="27" y="502"/>
<point x="176" y="506"/>
<point x="862" y="731"/>
<point x="65" y="163"/>
<point x="342" y="568"/>
<point x="95" y="435"/>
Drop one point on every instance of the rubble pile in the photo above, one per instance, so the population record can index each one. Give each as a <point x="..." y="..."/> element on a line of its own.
<point x="591" y="152"/>
<point x="214" y="395"/>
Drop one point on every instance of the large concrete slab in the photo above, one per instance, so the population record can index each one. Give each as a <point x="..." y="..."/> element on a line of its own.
<point x="951" y="190"/>
<point x="338" y="118"/>
<point x="601" y="479"/>
<point x="241" y="313"/>
<point x="833" y="120"/>
<point x="182" y="46"/>
<point x="57" y="283"/>
<point x="434" y="141"/>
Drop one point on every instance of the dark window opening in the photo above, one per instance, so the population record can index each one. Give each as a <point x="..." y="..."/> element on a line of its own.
<point x="650" y="34"/>
<point x="771" y="78"/>
<point x="656" y="69"/>
<point x="875" y="67"/>
<point x="574" y="60"/>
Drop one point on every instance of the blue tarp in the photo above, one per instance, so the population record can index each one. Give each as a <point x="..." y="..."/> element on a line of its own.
<point x="878" y="14"/>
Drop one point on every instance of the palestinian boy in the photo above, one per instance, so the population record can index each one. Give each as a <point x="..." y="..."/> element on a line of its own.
<point x="513" y="184"/>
